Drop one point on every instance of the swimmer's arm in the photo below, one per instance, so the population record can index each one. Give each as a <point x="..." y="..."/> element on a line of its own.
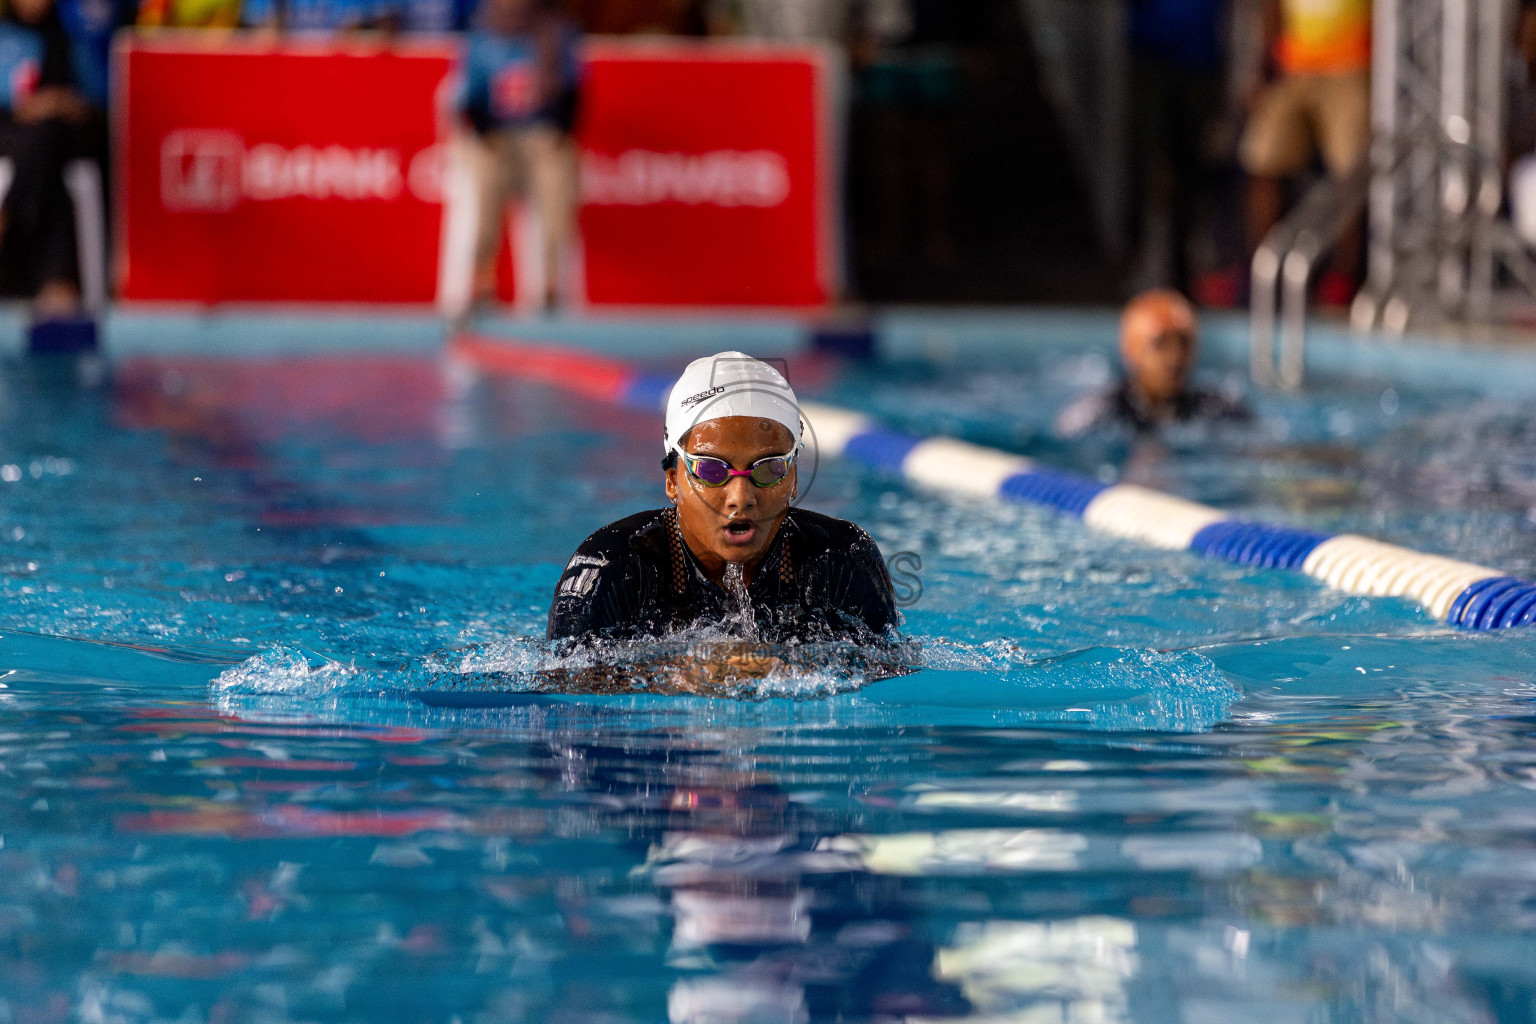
<point x="863" y="589"/>
<point x="595" y="596"/>
<point x="1081" y="416"/>
<point x="715" y="673"/>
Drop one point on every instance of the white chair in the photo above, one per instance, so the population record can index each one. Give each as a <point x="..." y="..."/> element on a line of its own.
<point x="82" y="179"/>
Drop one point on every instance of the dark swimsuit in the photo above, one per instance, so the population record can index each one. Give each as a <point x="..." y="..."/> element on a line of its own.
<point x="1122" y="406"/>
<point x="823" y="579"/>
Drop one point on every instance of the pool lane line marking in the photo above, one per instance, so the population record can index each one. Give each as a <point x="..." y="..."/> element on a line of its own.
<point x="593" y="376"/>
<point x="1354" y="564"/>
<point x="1459" y="593"/>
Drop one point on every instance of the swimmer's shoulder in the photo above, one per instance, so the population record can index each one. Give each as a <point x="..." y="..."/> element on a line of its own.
<point x="1217" y="406"/>
<point x="635" y="534"/>
<point x="816" y="533"/>
<point x="600" y="587"/>
<point x="1092" y="412"/>
<point x="844" y="573"/>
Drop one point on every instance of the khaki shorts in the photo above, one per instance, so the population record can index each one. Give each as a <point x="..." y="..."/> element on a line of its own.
<point x="1302" y="113"/>
<point x="538" y="162"/>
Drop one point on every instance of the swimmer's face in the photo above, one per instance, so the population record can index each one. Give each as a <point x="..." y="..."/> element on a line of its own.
<point x="1157" y="343"/>
<point x="1159" y="364"/>
<point x="737" y="522"/>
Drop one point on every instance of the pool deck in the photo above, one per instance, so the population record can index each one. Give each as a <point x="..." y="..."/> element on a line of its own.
<point x="1502" y="365"/>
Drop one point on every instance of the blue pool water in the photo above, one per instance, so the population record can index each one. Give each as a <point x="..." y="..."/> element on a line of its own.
<point x="1128" y="785"/>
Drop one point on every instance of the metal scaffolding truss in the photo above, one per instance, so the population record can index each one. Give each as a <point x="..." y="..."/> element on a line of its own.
<point x="1441" y="246"/>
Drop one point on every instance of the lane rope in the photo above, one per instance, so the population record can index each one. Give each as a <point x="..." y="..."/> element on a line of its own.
<point x="1459" y="593"/>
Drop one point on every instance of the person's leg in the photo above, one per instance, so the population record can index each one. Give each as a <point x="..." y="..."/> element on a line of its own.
<point x="1342" y="115"/>
<point x="1276" y="144"/>
<point x="1196" y="104"/>
<point x="1150" y="170"/>
<point x="39" y="242"/>
<point x="492" y="162"/>
<point x="888" y="153"/>
<point x="933" y="90"/>
<point x="552" y="169"/>
<point x="90" y="140"/>
<point x="1265" y="204"/>
<point x="1188" y="118"/>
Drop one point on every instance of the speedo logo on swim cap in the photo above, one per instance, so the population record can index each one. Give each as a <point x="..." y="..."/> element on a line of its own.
<point x="696" y="399"/>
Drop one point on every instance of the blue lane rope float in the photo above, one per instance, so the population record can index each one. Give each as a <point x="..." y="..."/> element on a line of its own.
<point x="1460" y="593"/>
<point x="1258" y="544"/>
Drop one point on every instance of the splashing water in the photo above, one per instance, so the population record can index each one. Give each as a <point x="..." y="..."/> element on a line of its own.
<point x="741" y="615"/>
<point x="922" y="681"/>
<point x="1125" y="784"/>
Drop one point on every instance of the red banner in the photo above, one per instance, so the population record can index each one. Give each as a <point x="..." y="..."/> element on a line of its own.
<point x="300" y="174"/>
<point x="258" y="171"/>
<point x="707" y="175"/>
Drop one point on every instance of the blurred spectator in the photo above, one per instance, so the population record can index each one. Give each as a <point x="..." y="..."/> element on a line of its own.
<point x="91" y="25"/>
<point x="423" y="15"/>
<point x="345" y="15"/>
<point x="517" y="101"/>
<point x="641" y="17"/>
<point x="40" y="130"/>
<point x="1177" y="93"/>
<point x="909" y="85"/>
<point x="189" y="13"/>
<point x="1159" y="337"/>
<point x="1522" y="85"/>
<point x="780" y="19"/>
<point x="306" y="15"/>
<point x="1317" y="103"/>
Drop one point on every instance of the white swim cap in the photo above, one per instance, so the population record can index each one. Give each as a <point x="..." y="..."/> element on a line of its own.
<point x="729" y="384"/>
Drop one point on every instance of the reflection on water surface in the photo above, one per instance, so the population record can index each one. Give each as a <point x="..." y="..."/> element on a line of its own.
<point x="1126" y="785"/>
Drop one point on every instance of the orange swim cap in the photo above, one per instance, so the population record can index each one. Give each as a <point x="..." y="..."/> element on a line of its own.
<point x="1153" y="313"/>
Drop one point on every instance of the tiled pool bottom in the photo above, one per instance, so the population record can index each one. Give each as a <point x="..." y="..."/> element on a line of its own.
<point x="1132" y="785"/>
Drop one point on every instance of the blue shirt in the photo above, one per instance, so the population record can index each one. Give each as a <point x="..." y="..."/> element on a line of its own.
<point x="428" y="15"/>
<point x="499" y="79"/>
<point x="307" y="15"/>
<point x="21" y="63"/>
<point x="1185" y="32"/>
<point x="90" y="24"/>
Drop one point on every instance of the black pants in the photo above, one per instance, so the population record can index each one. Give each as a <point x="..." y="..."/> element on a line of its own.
<point x="1173" y="108"/>
<point x="37" y="239"/>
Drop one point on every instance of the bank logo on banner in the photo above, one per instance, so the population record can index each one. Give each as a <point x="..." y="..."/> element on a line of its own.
<point x="212" y="171"/>
<point x="200" y="170"/>
<point x="730" y="178"/>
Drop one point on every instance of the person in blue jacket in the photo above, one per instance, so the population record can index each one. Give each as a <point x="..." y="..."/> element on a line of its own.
<point x="519" y="80"/>
<point x="43" y="119"/>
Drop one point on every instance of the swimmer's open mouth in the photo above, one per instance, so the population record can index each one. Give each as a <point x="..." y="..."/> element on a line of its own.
<point x="740" y="531"/>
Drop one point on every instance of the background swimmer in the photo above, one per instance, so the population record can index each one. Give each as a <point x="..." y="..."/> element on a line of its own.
<point x="1159" y="339"/>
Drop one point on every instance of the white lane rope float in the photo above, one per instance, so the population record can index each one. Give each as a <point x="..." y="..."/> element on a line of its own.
<point x="1459" y="593"/>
